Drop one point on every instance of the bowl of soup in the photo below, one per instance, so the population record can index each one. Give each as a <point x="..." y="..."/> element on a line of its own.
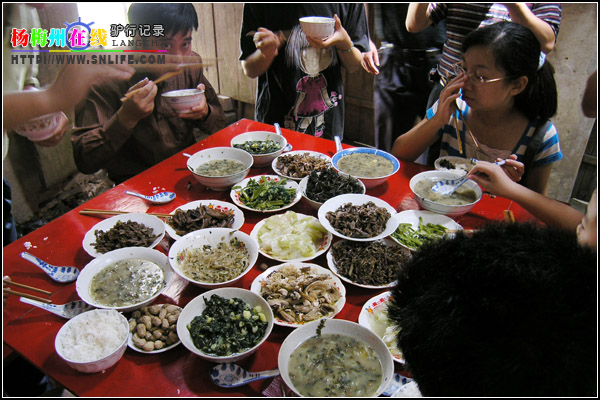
<point x="307" y="367"/>
<point x="459" y="203"/>
<point x="219" y="168"/>
<point x="124" y="279"/>
<point x="263" y="146"/>
<point x="372" y="166"/>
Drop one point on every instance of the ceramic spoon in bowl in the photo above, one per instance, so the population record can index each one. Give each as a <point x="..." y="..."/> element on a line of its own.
<point x="68" y="310"/>
<point x="232" y="375"/>
<point x="288" y="147"/>
<point x="446" y="187"/>
<point x="158" y="198"/>
<point x="59" y="274"/>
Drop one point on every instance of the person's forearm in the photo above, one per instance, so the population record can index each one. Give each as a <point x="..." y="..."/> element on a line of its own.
<point x="417" y="17"/>
<point x="351" y="60"/>
<point x="414" y="142"/>
<point x="521" y="14"/>
<point x="256" y="64"/>
<point x="20" y="107"/>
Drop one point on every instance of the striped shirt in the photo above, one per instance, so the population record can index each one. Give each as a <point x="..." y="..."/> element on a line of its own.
<point x="547" y="153"/>
<point x="463" y="18"/>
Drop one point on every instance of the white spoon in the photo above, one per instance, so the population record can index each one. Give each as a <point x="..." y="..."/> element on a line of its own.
<point x="288" y="147"/>
<point x="232" y="375"/>
<point x="59" y="274"/>
<point x="68" y="310"/>
<point x="158" y="198"/>
<point x="446" y="187"/>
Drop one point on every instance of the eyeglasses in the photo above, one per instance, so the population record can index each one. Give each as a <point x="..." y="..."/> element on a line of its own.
<point x="476" y="79"/>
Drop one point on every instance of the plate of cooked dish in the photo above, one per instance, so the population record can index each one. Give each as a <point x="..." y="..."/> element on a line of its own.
<point x="298" y="164"/>
<point x="202" y="214"/>
<point x="266" y="193"/>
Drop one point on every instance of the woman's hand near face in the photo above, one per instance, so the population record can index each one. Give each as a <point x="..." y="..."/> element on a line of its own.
<point x="447" y="100"/>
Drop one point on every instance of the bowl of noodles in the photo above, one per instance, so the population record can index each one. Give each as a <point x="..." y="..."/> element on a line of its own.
<point x="213" y="257"/>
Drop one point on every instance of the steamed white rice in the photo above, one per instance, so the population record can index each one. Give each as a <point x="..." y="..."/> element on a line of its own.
<point x="92" y="335"/>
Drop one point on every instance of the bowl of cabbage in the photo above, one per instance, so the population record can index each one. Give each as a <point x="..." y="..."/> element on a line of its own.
<point x="219" y="168"/>
<point x="306" y="365"/>
<point x="213" y="257"/>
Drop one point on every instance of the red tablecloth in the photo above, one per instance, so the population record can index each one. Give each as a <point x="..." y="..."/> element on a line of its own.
<point x="178" y="372"/>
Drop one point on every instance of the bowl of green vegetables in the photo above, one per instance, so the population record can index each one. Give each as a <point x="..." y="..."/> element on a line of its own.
<point x="266" y="193"/>
<point x="418" y="227"/>
<point x="225" y="325"/>
<point x="263" y="146"/>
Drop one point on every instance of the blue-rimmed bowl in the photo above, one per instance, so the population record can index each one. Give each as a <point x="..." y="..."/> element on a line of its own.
<point x="370" y="182"/>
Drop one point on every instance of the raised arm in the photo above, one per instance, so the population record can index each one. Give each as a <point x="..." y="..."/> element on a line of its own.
<point x="521" y="14"/>
<point x="417" y="18"/>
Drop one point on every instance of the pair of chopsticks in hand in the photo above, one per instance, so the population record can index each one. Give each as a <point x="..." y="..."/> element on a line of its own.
<point x="7" y="281"/>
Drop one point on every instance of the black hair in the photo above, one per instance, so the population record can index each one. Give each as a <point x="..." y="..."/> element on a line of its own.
<point x="510" y="311"/>
<point x="174" y="17"/>
<point x="517" y="53"/>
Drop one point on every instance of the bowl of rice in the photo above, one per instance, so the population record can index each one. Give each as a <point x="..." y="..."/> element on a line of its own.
<point x="93" y="341"/>
<point x="213" y="257"/>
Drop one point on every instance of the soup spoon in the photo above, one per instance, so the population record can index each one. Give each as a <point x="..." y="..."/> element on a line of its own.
<point x="158" y="198"/>
<point x="67" y="311"/>
<point x="446" y="187"/>
<point x="232" y="375"/>
<point x="288" y="147"/>
<point x="59" y="274"/>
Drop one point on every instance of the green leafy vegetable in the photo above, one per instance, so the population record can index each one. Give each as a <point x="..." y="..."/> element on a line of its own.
<point x="414" y="239"/>
<point x="259" y="146"/>
<point x="266" y="194"/>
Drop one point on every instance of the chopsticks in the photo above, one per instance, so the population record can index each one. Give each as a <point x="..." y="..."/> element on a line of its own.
<point x="92" y="211"/>
<point x="161" y="78"/>
<point x="27" y="295"/>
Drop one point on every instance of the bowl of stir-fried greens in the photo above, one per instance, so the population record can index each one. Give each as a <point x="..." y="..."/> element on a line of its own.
<point x="266" y="193"/>
<point x="262" y="145"/>
<point x="225" y="325"/>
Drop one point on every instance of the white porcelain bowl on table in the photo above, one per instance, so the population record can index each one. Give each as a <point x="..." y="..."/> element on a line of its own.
<point x="309" y="154"/>
<point x="413" y="217"/>
<point x="40" y="128"/>
<point x="449" y="210"/>
<point x="316" y="204"/>
<point x="182" y="101"/>
<point x="220" y="183"/>
<point x="84" y="280"/>
<point x="457" y="165"/>
<point x="261" y="160"/>
<point x="340" y="327"/>
<point x="195" y="308"/>
<point x="223" y="206"/>
<point x="152" y="222"/>
<point x="333" y="204"/>
<point x="211" y="237"/>
<point x="93" y="341"/>
<point x="370" y="182"/>
<point x="317" y="27"/>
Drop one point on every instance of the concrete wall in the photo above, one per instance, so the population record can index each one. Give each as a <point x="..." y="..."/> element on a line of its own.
<point x="34" y="172"/>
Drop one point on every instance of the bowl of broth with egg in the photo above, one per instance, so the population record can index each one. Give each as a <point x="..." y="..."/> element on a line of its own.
<point x="458" y="203"/>
<point x="372" y="166"/>
<point x="335" y="358"/>
<point x="219" y="168"/>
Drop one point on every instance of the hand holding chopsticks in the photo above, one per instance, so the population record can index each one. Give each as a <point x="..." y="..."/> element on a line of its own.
<point x="161" y="78"/>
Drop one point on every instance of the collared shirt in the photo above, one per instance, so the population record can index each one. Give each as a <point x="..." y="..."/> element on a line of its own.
<point x="100" y="141"/>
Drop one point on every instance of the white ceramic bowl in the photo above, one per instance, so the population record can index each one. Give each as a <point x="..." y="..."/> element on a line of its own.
<point x="182" y="101"/>
<point x="448" y="210"/>
<point x="357" y="200"/>
<point x="220" y="153"/>
<point x="373" y="316"/>
<point x="291" y="233"/>
<point x="317" y="27"/>
<point x="461" y="165"/>
<point x="236" y="193"/>
<point x="261" y="160"/>
<point x="341" y="327"/>
<point x="63" y="343"/>
<point x="195" y="308"/>
<point x="307" y="153"/>
<point x="259" y="281"/>
<point x="370" y="182"/>
<point x="82" y="286"/>
<point x="212" y="237"/>
<point x="40" y="128"/>
<point x="238" y="215"/>
<point x="315" y="204"/>
<point x="428" y="217"/>
<point x="157" y="226"/>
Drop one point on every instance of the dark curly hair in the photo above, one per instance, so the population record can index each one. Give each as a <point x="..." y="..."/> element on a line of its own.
<point x="510" y="311"/>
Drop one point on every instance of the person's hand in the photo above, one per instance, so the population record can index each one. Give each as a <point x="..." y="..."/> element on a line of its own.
<point x="268" y="42"/>
<point x="370" y="60"/>
<point x="447" y="100"/>
<point x="513" y="168"/>
<point x="139" y="105"/>
<point x="493" y="178"/>
<point x="340" y="38"/>
<point x="59" y="133"/>
<point x="200" y="110"/>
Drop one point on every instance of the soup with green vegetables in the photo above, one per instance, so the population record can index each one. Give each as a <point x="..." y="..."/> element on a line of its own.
<point x="365" y="165"/>
<point x="333" y="365"/>
<point x="224" y="167"/>
<point x="461" y="197"/>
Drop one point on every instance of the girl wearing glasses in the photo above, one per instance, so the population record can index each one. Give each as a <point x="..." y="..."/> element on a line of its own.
<point x="497" y="107"/>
